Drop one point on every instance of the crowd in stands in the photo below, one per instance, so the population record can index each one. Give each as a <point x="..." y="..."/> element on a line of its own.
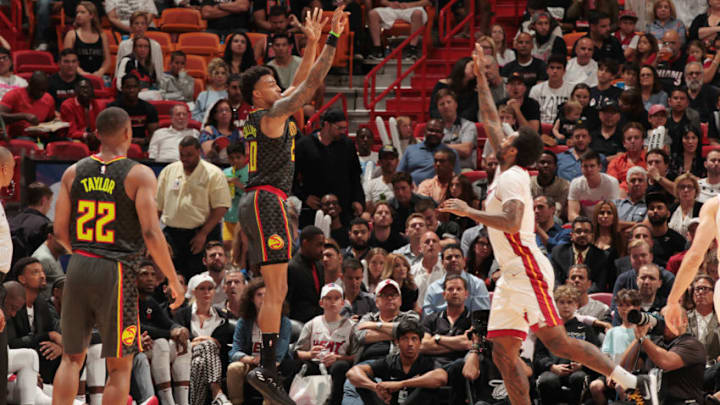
<point x="390" y="299"/>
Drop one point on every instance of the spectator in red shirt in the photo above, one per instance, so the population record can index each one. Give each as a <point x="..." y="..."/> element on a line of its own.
<point x="634" y="155"/>
<point x="80" y="111"/>
<point x="673" y="264"/>
<point x="24" y="107"/>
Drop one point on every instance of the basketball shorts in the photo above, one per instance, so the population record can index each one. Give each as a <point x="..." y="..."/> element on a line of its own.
<point x="100" y="293"/>
<point x="523" y="298"/>
<point x="263" y="216"/>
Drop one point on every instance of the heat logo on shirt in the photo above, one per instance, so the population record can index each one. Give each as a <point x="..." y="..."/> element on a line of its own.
<point x="333" y="347"/>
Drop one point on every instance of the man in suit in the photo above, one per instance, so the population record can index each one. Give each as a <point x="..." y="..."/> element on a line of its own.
<point x="703" y="324"/>
<point x="580" y="250"/>
<point x="33" y="327"/>
<point x="306" y="276"/>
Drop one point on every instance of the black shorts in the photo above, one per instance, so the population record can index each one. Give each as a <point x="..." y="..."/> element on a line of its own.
<point x="263" y="216"/>
<point x="100" y="293"/>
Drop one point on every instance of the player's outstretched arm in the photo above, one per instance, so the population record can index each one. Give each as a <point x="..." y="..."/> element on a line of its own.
<point x="155" y="241"/>
<point x="312" y="29"/>
<point x="287" y="106"/>
<point x="488" y="111"/>
<point x="509" y="221"/>
<point x="61" y="226"/>
<point x="704" y="235"/>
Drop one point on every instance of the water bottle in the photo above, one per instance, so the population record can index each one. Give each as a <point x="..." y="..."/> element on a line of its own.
<point x="402" y="396"/>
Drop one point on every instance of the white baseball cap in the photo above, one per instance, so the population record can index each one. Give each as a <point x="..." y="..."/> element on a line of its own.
<point x="327" y="288"/>
<point x="385" y="283"/>
<point x="195" y="281"/>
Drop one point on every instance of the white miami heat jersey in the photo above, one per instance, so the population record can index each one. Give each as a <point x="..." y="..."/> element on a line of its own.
<point x="338" y="339"/>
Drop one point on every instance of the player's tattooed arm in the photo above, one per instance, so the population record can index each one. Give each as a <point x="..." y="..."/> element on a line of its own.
<point x="488" y="111"/>
<point x="287" y="106"/>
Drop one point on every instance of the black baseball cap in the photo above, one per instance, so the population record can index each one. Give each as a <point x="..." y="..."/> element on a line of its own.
<point x="387" y="149"/>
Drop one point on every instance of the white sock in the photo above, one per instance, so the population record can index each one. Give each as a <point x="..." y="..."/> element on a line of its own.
<point x="165" y="396"/>
<point x="624" y="378"/>
<point x="147" y="401"/>
<point x="96" y="399"/>
<point x="80" y="398"/>
<point x="181" y="394"/>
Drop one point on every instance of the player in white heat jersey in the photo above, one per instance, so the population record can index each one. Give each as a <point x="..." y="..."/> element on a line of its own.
<point x="523" y="294"/>
<point x="707" y="231"/>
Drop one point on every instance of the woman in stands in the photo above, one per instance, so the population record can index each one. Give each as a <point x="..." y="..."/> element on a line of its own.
<point x="246" y="342"/>
<point x="665" y="20"/>
<point x="480" y="259"/>
<point x="139" y="63"/>
<point x="89" y="41"/>
<point x="215" y="90"/>
<point x="397" y="268"/>
<point x="218" y="132"/>
<point x="686" y="191"/>
<point x="705" y="25"/>
<point x="589" y="115"/>
<point x="238" y="53"/>
<point x="462" y="82"/>
<point x="689" y="159"/>
<point x="650" y="88"/>
<point x="504" y="55"/>
<point x="647" y="49"/>
<point x="211" y="336"/>
<point x="606" y="230"/>
<point x="460" y="187"/>
<point x="375" y="260"/>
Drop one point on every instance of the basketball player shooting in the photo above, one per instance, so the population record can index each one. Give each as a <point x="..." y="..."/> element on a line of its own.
<point x="106" y="213"/>
<point x="523" y="296"/>
<point x="270" y="137"/>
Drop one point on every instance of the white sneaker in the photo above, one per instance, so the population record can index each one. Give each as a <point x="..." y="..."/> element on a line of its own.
<point x="221" y="399"/>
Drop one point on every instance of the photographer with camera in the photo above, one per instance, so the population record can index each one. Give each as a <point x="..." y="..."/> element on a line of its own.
<point x="681" y="357"/>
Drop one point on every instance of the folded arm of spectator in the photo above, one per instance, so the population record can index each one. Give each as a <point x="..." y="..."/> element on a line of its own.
<point x="446" y="344"/>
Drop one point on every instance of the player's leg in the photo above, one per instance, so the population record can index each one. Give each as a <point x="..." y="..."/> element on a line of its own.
<point x="67" y="377"/>
<point x="506" y="356"/>
<point x="275" y="277"/>
<point x="117" y="388"/>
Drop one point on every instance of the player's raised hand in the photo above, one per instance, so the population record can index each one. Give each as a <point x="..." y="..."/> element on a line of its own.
<point x="314" y="23"/>
<point x="177" y="293"/>
<point x="339" y="20"/>
<point x="479" y="67"/>
<point x="455" y="206"/>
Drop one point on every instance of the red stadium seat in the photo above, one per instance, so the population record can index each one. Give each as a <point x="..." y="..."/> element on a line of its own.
<point x="164" y="107"/>
<point x="23" y="147"/>
<point x="30" y="61"/>
<point x="67" y="150"/>
<point x="557" y="149"/>
<point x="705" y="139"/>
<point x="199" y="43"/>
<point x="546" y="129"/>
<point x="135" y="152"/>
<point x="605" y="298"/>
<point x="99" y="87"/>
<point x="162" y="38"/>
<point x="181" y="20"/>
<point x="707" y="148"/>
<point x="475" y="175"/>
<point x="165" y="122"/>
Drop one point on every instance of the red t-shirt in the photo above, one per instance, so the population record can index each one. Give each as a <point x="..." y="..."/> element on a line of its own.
<point x="71" y="111"/>
<point x="19" y="101"/>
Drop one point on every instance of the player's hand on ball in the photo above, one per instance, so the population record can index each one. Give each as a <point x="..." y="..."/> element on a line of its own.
<point x="454" y="206"/>
<point x="177" y="293"/>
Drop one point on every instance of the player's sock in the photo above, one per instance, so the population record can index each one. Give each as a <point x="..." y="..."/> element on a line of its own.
<point x="80" y="398"/>
<point x="267" y="354"/>
<point x="166" y="397"/>
<point x="96" y="399"/>
<point x="624" y="378"/>
<point x="181" y="393"/>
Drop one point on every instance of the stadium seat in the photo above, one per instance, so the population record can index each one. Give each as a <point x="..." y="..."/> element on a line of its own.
<point x="481" y="130"/>
<point x="113" y="41"/>
<point x="162" y="38"/>
<point x="23" y="147"/>
<point x="181" y="20"/>
<point x="605" y="298"/>
<point x="196" y="67"/>
<point x="199" y="86"/>
<point x="705" y="138"/>
<point x="557" y="149"/>
<point x="67" y="150"/>
<point x="419" y="131"/>
<point x="571" y="38"/>
<point x="30" y="61"/>
<point x="135" y="152"/>
<point x="165" y="122"/>
<point x="345" y="46"/>
<point x="707" y="148"/>
<point x="164" y="107"/>
<point x="475" y="175"/>
<point x="99" y="87"/>
<point x="199" y="43"/>
<point x="546" y="129"/>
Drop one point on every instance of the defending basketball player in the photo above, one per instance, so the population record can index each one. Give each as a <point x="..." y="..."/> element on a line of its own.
<point x="263" y="211"/>
<point x="707" y="231"/>
<point x="523" y="296"/>
<point x="106" y="213"/>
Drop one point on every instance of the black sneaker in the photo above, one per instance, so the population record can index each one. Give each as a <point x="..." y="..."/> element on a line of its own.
<point x="269" y="386"/>
<point x="646" y="390"/>
<point x="409" y="53"/>
<point x="376" y="56"/>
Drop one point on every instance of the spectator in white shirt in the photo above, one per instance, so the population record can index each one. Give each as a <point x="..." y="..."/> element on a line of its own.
<point x="554" y="91"/>
<point x="165" y="142"/>
<point x="138" y="25"/>
<point x="8" y="80"/>
<point x="582" y="68"/>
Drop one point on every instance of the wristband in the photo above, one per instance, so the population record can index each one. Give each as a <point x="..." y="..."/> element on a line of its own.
<point x="332" y="41"/>
<point x="335" y="34"/>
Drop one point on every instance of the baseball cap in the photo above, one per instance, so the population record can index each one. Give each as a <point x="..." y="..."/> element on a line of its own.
<point x="656" y="108"/>
<point x="385" y="283"/>
<point x="609" y="104"/>
<point x="327" y="288"/>
<point x="195" y="281"/>
<point x="656" y="197"/>
<point x="628" y="14"/>
<point x="515" y="76"/>
<point x="538" y="14"/>
<point x="387" y="149"/>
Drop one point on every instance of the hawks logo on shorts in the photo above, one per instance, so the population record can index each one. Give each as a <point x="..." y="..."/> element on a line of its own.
<point x="128" y="335"/>
<point x="275" y="242"/>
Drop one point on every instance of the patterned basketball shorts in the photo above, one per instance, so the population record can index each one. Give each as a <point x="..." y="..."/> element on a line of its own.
<point x="100" y="293"/>
<point x="263" y="215"/>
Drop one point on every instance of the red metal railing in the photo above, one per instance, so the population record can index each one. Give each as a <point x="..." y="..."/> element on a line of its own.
<point x="445" y="22"/>
<point x="312" y="121"/>
<point x="371" y="99"/>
